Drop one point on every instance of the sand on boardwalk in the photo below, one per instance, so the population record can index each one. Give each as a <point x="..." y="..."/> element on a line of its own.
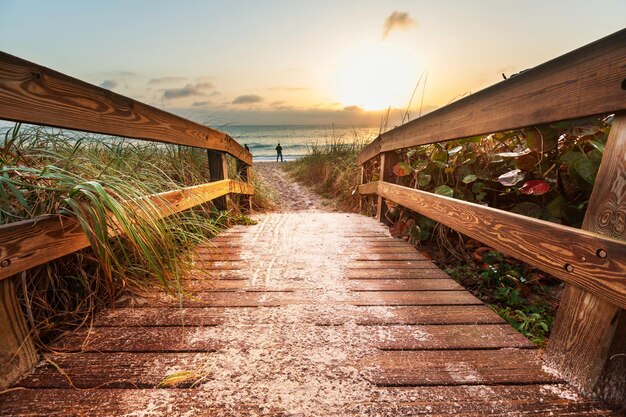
<point x="292" y="196"/>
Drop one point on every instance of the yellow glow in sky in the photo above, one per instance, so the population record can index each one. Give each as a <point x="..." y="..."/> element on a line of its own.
<point x="377" y="76"/>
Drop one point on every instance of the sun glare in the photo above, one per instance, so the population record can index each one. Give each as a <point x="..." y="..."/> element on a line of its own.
<point x="374" y="77"/>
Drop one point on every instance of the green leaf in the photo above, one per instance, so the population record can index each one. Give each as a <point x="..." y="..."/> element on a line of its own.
<point x="570" y="157"/>
<point x="455" y="150"/>
<point x="478" y="187"/>
<point x="402" y="169"/>
<point x="511" y="178"/>
<point x="423" y="179"/>
<point x="444" y="190"/>
<point x="527" y="209"/>
<point x="586" y="169"/>
<point x="599" y="146"/>
<point x="469" y="178"/>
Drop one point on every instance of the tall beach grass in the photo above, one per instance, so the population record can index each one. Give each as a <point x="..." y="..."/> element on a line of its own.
<point x="91" y="179"/>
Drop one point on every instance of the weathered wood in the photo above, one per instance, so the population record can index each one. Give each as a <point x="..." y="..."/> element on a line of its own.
<point x="218" y="171"/>
<point x="138" y="339"/>
<point x="449" y="337"/>
<point x="418" y="273"/>
<point x="588" y="341"/>
<point x="448" y="401"/>
<point x="454" y="314"/>
<point x="384" y="264"/>
<point x="573" y="255"/>
<point x="584" y="82"/>
<point x="160" y="317"/>
<point x="387" y="161"/>
<point x="35" y="94"/>
<point x="456" y="367"/>
<point x="392" y="256"/>
<point x="404" y="285"/>
<point x="413" y="298"/>
<point x="17" y="349"/>
<point x="112" y="370"/>
<point x="29" y="243"/>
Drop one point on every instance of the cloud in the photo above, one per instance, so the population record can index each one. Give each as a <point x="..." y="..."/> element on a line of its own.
<point x="109" y="84"/>
<point x="166" y="80"/>
<point x="247" y="99"/>
<point x="215" y="93"/>
<point x="289" y="89"/>
<point x="187" y="91"/>
<point x="352" y="108"/>
<point x="397" y="20"/>
<point x="200" y="103"/>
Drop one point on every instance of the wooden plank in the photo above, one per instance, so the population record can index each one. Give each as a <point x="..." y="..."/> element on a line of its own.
<point x="417" y="273"/>
<point x="111" y="370"/>
<point x="29" y="243"/>
<point x="161" y="317"/>
<point x="17" y="349"/>
<point x="570" y="254"/>
<point x="140" y="339"/>
<point x="455" y="367"/>
<point x="404" y="285"/>
<point x="425" y="263"/>
<point x="380" y="250"/>
<point x="218" y="171"/>
<point x="415" y="298"/>
<point x="453" y="314"/>
<point x="448" y="337"/>
<point x="392" y="256"/>
<point x="221" y="299"/>
<point x="35" y="94"/>
<point x="450" y="401"/>
<point x="584" y="82"/>
<point x="588" y="341"/>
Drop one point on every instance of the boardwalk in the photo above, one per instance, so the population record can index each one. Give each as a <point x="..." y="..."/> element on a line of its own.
<point x="305" y="314"/>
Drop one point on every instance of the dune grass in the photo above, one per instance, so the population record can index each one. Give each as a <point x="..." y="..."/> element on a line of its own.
<point x="90" y="178"/>
<point x="332" y="170"/>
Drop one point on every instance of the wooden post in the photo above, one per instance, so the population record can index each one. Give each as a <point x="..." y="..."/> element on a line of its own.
<point x="387" y="161"/>
<point x="361" y="181"/>
<point x="588" y="341"/>
<point x="245" y="202"/>
<point x="218" y="170"/>
<point x="17" y="349"/>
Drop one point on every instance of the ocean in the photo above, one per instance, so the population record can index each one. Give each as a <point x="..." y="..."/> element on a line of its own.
<point x="295" y="140"/>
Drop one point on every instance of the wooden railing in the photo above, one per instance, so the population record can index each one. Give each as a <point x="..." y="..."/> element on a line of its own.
<point x="34" y="94"/>
<point x="589" y="337"/>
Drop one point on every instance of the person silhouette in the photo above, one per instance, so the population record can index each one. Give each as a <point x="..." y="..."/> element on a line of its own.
<point x="279" y="153"/>
<point x="245" y="145"/>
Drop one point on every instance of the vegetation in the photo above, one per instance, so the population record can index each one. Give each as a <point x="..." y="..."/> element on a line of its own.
<point x="332" y="170"/>
<point x="545" y="172"/>
<point x="91" y="178"/>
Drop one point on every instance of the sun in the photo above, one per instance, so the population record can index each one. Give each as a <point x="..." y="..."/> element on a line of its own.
<point x="377" y="76"/>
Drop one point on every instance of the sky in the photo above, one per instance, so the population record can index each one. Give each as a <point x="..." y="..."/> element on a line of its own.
<point x="300" y="62"/>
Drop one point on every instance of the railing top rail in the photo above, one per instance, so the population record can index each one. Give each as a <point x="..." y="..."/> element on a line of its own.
<point x="35" y="94"/>
<point x="587" y="81"/>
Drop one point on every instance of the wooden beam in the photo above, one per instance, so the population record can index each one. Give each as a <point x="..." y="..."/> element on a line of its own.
<point x="218" y="171"/>
<point x="593" y="262"/>
<point x="29" y="243"/>
<point x="588" y="340"/>
<point x="35" y="94"/>
<point x="387" y="161"/>
<point x="17" y="350"/>
<point x="584" y="82"/>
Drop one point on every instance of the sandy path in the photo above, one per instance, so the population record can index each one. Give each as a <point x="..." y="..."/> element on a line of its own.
<point x="293" y="196"/>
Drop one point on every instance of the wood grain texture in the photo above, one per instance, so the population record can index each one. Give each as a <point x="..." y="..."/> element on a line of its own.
<point x="442" y="401"/>
<point x="393" y="264"/>
<point x="547" y="246"/>
<point x="111" y="370"/>
<point x="588" y="341"/>
<point x="413" y="298"/>
<point x="584" y="82"/>
<point x="387" y="161"/>
<point x="449" y="337"/>
<point x="417" y="273"/>
<point x="29" y="243"/>
<point x="35" y="94"/>
<point x="404" y="285"/>
<point x="17" y="349"/>
<point x="160" y="317"/>
<point x="137" y="339"/>
<point x="456" y="367"/>
<point x="451" y="314"/>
